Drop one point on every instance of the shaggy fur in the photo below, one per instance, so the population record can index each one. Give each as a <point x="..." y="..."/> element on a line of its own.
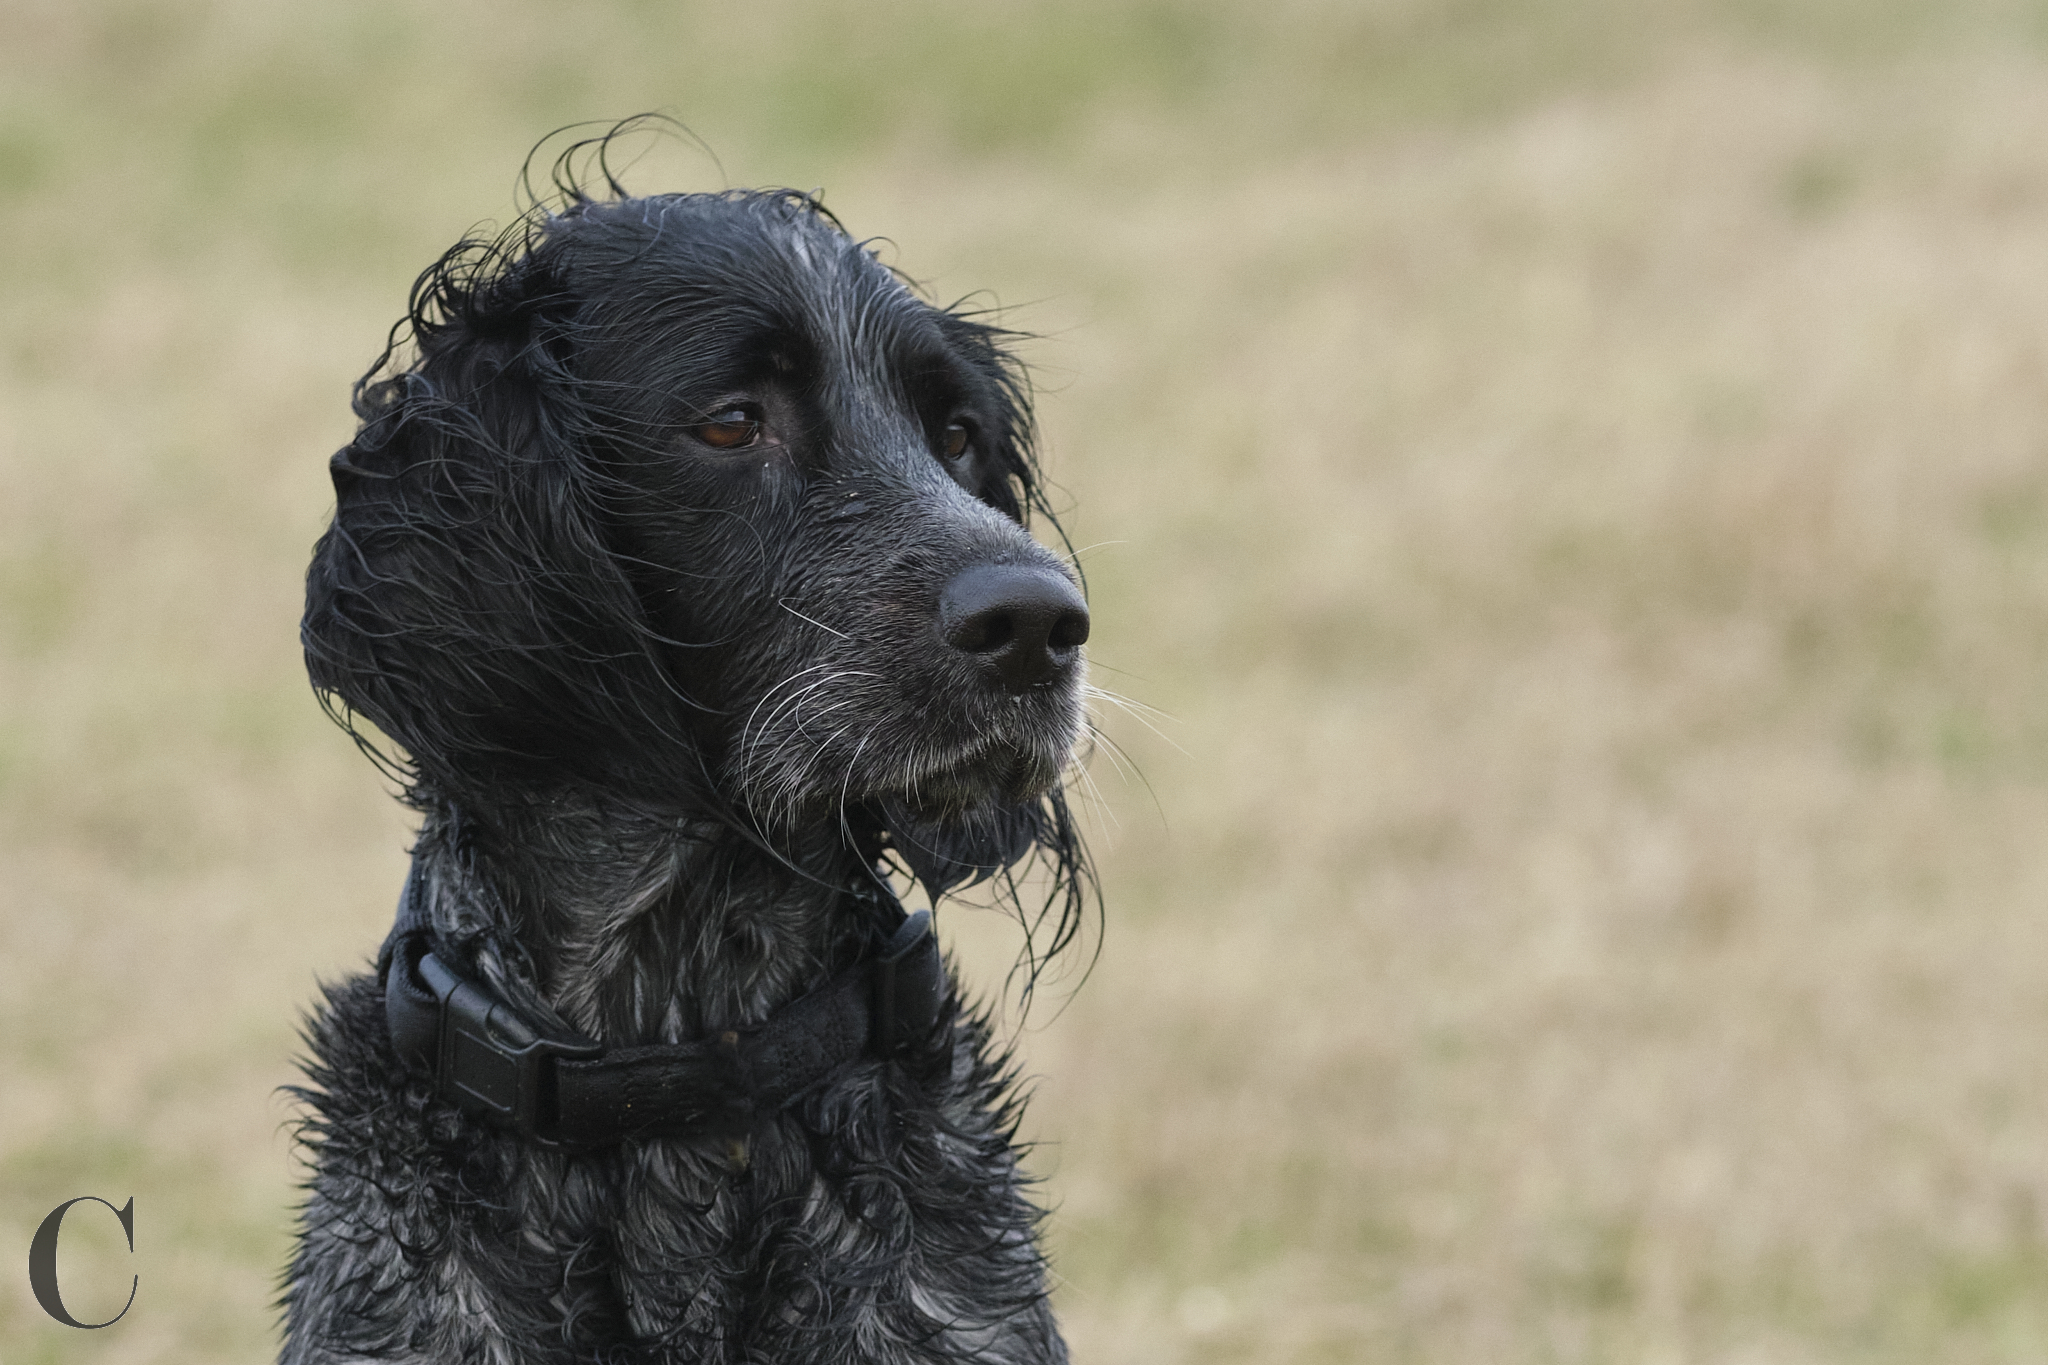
<point x="647" y="557"/>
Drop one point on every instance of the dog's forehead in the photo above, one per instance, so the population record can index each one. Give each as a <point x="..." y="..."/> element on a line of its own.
<point x="800" y="247"/>
<point x="682" y="300"/>
<point x="853" y="306"/>
<point x="840" y="282"/>
<point x="752" y="261"/>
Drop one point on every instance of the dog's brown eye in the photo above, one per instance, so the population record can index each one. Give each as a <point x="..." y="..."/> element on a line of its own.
<point x="732" y="429"/>
<point x="957" y="440"/>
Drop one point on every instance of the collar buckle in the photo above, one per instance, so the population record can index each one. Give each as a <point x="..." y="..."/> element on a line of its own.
<point x="906" y="999"/>
<point x="491" y="1062"/>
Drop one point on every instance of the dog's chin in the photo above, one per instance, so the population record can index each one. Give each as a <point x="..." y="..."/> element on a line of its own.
<point x="963" y="824"/>
<point x="979" y="786"/>
<point x="931" y="780"/>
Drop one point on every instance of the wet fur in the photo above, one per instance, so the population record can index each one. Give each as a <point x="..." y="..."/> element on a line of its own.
<point x="656" y="709"/>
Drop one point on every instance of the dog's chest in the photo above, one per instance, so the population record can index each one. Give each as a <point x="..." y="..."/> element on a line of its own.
<point x="896" y="1233"/>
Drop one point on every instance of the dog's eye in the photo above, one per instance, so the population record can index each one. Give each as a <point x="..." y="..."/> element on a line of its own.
<point x="958" y="438"/>
<point x="731" y="429"/>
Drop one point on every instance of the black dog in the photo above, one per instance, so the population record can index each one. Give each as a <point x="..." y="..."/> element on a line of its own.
<point x="684" y="559"/>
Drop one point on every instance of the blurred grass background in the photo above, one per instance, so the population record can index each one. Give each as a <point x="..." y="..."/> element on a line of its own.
<point x="1575" y="473"/>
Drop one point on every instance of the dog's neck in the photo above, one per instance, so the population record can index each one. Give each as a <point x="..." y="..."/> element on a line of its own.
<point x="633" y="924"/>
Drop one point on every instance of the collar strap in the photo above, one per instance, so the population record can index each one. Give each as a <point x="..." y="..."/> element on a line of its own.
<point x="567" y="1090"/>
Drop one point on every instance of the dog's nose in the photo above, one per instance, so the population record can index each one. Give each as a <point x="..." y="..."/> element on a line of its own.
<point x="1025" y="624"/>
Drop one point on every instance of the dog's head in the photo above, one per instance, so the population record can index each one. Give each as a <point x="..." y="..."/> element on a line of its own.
<point x="690" y="499"/>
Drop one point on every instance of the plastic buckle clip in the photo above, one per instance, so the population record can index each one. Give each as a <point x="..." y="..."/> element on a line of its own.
<point x="490" y="1062"/>
<point x="908" y="938"/>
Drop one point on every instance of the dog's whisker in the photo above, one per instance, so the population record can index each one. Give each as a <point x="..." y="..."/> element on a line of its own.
<point x="792" y="705"/>
<point x="1096" y="739"/>
<point x="1137" y="712"/>
<point x="1093" y="794"/>
<point x="1073" y="555"/>
<point x="1091" y="692"/>
<point x="751" y="733"/>
<point x="1096" y="665"/>
<point x="784" y="604"/>
<point x="772" y="692"/>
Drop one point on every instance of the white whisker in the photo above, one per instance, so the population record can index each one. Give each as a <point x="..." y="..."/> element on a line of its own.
<point x="783" y="602"/>
<point x="1137" y="711"/>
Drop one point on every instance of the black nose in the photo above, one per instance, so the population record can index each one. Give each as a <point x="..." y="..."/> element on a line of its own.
<point x="1025" y="624"/>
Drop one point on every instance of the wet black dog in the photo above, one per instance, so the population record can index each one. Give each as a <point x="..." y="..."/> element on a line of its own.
<point x="683" y="555"/>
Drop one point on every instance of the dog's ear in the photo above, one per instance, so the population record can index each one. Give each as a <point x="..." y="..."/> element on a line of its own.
<point x="465" y="598"/>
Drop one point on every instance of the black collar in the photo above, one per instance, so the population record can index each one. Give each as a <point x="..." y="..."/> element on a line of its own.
<point x="561" y="1089"/>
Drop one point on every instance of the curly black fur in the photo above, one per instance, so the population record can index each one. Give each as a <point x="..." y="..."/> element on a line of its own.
<point x="638" y="560"/>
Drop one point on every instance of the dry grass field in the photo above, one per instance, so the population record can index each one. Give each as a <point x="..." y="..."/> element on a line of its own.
<point x="1572" y="474"/>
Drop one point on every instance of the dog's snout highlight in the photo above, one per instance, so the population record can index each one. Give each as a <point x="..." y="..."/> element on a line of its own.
<point x="1025" y="624"/>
